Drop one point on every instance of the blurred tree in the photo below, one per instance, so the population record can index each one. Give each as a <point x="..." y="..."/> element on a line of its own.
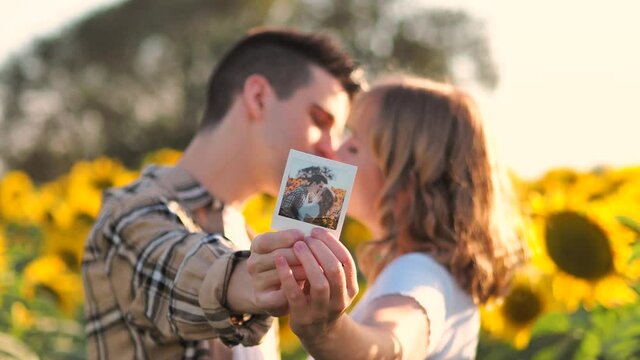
<point x="129" y="79"/>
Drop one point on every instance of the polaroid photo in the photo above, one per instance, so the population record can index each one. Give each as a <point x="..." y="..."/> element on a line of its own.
<point x="314" y="193"/>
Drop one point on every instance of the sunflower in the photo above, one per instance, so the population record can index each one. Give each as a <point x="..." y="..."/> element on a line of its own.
<point x="585" y="249"/>
<point x="3" y="251"/>
<point x="87" y="180"/>
<point x="49" y="277"/>
<point x="164" y="156"/>
<point x="18" y="198"/>
<point x="64" y="228"/>
<point x="258" y="212"/>
<point x="58" y="211"/>
<point x="21" y="317"/>
<point x="67" y="243"/>
<point x="3" y="263"/>
<point x="626" y="198"/>
<point x="513" y="317"/>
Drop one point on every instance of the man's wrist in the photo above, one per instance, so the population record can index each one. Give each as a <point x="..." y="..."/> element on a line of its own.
<point x="239" y="295"/>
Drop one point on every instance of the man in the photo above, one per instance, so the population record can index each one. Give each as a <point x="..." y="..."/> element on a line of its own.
<point x="161" y="272"/>
<point x="293" y="201"/>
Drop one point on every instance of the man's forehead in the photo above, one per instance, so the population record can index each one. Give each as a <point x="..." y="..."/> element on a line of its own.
<point x="329" y="93"/>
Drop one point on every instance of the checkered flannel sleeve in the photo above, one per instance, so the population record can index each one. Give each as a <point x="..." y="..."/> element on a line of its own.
<point x="170" y="280"/>
<point x="292" y="202"/>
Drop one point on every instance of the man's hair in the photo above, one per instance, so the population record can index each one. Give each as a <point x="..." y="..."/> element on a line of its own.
<point x="317" y="179"/>
<point x="283" y="56"/>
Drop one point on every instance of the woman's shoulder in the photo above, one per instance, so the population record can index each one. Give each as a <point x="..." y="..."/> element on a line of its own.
<point x="419" y="266"/>
<point x="420" y="277"/>
<point x="417" y="258"/>
<point x="419" y="274"/>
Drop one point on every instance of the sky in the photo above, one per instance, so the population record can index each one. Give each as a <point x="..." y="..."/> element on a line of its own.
<point x="569" y="82"/>
<point x="569" y="74"/>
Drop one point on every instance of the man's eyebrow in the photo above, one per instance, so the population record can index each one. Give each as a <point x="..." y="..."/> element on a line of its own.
<point x="322" y="115"/>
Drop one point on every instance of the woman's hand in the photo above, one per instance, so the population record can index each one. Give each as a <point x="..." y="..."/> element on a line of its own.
<point x="329" y="289"/>
<point x="261" y="267"/>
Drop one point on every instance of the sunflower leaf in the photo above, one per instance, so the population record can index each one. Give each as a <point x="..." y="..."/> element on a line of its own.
<point x="551" y="323"/>
<point x="636" y="251"/>
<point x="589" y="348"/>
<point x="553" y="346"/>
<point x="630" y="223"/>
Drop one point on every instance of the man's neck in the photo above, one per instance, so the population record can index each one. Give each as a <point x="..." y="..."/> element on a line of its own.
<point x="222" y="163"/>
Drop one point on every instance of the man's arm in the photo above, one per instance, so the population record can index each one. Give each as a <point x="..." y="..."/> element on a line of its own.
<point x="179" y="280"/>
<point x="292" y="202"/>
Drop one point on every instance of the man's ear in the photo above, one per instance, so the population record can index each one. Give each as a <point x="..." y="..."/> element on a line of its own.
<point x="255" y="91"/>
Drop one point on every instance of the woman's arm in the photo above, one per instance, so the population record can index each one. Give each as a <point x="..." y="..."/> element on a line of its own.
<point x="396" y="325"/>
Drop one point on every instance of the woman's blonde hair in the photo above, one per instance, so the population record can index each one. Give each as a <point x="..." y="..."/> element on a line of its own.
<point x="442" y="194"/>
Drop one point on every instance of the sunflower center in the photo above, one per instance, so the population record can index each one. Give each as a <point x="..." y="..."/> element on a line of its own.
<point x="85" y="219"/>
<point x="70" y="259"/>
<point x="522" y="305"/>
<point x="102" y="183"/>
<point x="46" y="292"/>
<point x="578" y="246"/>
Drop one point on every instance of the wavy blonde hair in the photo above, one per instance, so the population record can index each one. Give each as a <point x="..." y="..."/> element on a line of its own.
<point x="442" y="194"/>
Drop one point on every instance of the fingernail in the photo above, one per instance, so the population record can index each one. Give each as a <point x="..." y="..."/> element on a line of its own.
<point x="316" y="231"/>
<point x="280" y="260"/>
<point x="299" y="245"/>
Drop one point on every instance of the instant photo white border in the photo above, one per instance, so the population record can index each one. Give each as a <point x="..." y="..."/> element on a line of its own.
<point x="279" y="222"/>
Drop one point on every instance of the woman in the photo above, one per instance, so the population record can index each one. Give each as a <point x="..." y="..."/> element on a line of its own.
<point x="316" y="205"/>
<point x="430" y="195"/>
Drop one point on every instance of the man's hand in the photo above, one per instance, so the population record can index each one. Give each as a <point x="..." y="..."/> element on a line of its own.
<point x="265" y="248"/>
<point x="330" y="287"/>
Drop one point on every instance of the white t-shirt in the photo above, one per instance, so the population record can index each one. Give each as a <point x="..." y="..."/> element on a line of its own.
<point x="235" y="229"/>
<point x="311" y="210"/>
<point x="454" y="319"/>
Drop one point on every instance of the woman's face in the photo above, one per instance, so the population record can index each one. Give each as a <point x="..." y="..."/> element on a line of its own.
<point x="357" y="150"/>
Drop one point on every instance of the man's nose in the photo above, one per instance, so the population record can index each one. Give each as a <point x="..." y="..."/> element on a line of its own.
<point x="324" y="146"/>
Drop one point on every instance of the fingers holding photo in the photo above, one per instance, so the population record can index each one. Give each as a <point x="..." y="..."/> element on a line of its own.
<point x="319" y="286"/>
<point x="296" y="298"/>
<point x="266" y="247"/>
<point x="344" y="257"/>
<point x="271" y="280"/>
<point x="268" y="242"/>
<point x="332" y="270"/>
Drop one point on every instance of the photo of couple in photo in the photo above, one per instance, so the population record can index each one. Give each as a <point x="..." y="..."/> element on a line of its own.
<point x="311" y="199"/>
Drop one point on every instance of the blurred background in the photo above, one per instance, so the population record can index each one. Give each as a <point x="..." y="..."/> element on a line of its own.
<point x="93" y="90"/>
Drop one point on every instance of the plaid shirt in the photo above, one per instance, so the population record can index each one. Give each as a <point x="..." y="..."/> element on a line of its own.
<point x="292" y="202"/>
<point x="155" y="283"/>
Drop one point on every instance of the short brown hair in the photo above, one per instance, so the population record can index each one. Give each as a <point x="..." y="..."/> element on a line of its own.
<point x="284" y="57"/>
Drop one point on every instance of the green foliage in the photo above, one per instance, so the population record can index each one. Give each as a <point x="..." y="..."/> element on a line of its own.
<point x="597" y="334"/>
<point x="34" y="327"/>
<point x="630" y="223"/>
<point x="131" y="78"/>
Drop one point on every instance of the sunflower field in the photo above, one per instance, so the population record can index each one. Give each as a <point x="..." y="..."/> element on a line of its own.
<point x="577" y="297"/>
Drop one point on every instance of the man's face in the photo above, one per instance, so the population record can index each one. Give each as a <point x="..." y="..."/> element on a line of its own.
<point x="315" y="188"/>
<point x="311" y="120"/>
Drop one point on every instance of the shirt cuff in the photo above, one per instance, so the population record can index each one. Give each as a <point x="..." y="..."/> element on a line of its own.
<point x="234" y="329"/>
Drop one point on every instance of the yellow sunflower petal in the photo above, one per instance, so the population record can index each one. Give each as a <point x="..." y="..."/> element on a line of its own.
<point x="614" y="291"/>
